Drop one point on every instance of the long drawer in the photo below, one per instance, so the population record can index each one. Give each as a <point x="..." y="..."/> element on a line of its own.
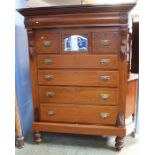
<point x="78" y="95"/>
<point x="79" y="114"/>
<point x="78" y="78"/>
<point x="78" y="61"/>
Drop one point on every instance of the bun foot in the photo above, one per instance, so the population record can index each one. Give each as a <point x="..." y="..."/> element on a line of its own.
<point x="119" y="143"/>
<point x="37" y="137"/>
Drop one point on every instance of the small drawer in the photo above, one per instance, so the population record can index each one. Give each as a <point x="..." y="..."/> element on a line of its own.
<point x="77" y="61"/>
<point x="106" y="42"/>
<point x="78" y="95"/>
<point x="78" y="78"/>
<point x="47" y="41"/>
<point x="79" y="114"/>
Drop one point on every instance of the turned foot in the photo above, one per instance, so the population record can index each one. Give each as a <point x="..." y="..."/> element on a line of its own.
<point x="20" y="142"/>
<point x="119" y="143"/>
<point x="37" y="137"/>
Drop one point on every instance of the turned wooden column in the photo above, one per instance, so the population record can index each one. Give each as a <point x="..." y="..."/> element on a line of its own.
<point x="20" y="137"/>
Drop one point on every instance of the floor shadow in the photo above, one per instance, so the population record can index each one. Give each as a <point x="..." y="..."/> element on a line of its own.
<point x="73" y="140"/>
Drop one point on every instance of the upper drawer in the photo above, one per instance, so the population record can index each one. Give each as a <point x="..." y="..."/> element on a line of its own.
<point x="106" y="42"/>
<point x="47" y="41"/>
<point x="78" y="78"/>
<point x="78" y="61"/>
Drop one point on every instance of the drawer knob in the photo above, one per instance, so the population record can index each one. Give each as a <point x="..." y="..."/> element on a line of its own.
<point x="105" y="78"/>
<point x="50" y="94"/>
<point x="104" y="96"/>
<point x="48" y="77"/>
<point x="105" y="42"/>
<point x="50" y="113"/>
<point x="104" y="114"/>
<point x="48" y="61"/>
<point x="47" y="43"/>
<point x="105" y="61"/>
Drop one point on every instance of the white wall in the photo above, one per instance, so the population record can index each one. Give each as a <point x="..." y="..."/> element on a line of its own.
<point x="41" y="3"/>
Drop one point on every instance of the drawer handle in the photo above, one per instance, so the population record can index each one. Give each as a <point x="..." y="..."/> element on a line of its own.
<point x="48" y="61"/>
<point x="50" y="113"/>
<point x="104" y="114"/>
<point x="50" y="94"/>
<point x="105" y="78"/>
<point x="105" y="42"/>
<point x="105" y="61"/>
<point x="48" y="77"/>
<point x="47" y="43"/>
<point x="104" y="96"/>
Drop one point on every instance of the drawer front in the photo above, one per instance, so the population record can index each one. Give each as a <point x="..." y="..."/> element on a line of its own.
<point x="79" y="114"/>
<point x="78" y="78"/>
<point x="78" y="95"/>
<point x="106" y="42"/>
<point x="58" y="113"/>
<point x="97" y="114"/>
<point x="78" y="61"/>
<point x="47" y="41"/>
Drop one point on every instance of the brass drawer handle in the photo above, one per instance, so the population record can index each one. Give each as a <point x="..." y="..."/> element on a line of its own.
<point x="47" y="43"/>
<point x="104" y="114"/>
<point x="105" y="61"/>
<point x="48" y="61"/>
<point x="50" y="94"/>
<point x="104" y="96"/>
<point x="105" y="78"/>
<point x="105" y="42"/>
<point x="50" y="113"/>
<point x="48" y="77"/>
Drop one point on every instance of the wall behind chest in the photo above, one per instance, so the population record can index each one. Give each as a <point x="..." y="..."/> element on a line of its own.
<point x="22" y="79"/>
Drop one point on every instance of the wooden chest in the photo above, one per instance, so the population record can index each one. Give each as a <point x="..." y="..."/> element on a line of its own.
<point x="79" y="70"/>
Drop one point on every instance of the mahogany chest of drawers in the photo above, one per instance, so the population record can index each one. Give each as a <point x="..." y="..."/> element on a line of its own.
<point x="79" y="70"/>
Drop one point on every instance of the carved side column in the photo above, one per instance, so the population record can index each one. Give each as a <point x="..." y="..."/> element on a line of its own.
<point x="33" y="70"/>
<point x="31" y="43"/>
<point x="120" y="123"/>
<point x="124" y="43"/>
<point x="124" y="51"/>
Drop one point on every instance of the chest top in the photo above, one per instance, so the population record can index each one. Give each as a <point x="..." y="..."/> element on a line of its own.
<point x="80" y="15"/>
